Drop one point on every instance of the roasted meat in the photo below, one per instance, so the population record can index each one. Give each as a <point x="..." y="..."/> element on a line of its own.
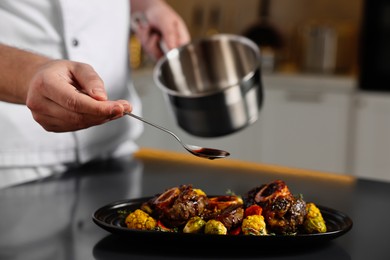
<point x="283" y="212"/>
<point x="231" y="216"/>
<point x="227" y="209"/>
<point x="177" y="205"/>
<point x="221" y="202"/>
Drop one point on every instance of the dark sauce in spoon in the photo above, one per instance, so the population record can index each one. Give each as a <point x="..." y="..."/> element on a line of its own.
<point x="211" y="153"/>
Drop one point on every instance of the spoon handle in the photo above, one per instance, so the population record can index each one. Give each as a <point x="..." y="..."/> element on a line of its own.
<point x="152" y="124"/>
<point x="208" y="153"/>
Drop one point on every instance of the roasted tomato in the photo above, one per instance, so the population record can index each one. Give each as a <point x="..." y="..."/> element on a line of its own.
<point x="253" y="210"/>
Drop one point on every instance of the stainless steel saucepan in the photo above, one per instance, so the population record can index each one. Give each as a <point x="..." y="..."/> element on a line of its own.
<point x="213" y="85"/>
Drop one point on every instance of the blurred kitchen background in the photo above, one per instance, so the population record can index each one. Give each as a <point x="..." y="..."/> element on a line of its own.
<point x="326" y="99"/>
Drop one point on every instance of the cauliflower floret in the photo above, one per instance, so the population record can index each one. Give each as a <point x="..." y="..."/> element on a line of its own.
<point x="254" y="225"/>
<point x="314" y="222"/>
<point x="215" y="227"/>
<point x="140" y="220"/>
<point x="194" y="225"/>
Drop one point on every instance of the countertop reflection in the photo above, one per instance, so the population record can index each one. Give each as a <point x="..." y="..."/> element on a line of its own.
<point x="114" y="247"/>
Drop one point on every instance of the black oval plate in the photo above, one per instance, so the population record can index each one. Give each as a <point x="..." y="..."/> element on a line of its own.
<point x="111" y="218"/>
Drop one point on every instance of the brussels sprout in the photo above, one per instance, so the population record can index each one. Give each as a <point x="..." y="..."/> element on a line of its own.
<point x="215" y="227"/>
<point x="254" y="225"/>
<point x="194" y="225"/>
<point x="146" y="208"/>
<point x="314" y="222"/>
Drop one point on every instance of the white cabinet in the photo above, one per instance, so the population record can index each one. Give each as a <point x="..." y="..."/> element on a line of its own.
<point x="305" y="122"/>
<point x="371" y="138"/>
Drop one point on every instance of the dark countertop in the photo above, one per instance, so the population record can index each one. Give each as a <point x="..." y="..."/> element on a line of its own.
<point x="52" y="218"/>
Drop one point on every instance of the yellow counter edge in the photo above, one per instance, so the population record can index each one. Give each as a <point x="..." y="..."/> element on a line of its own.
<point x="175" y="157"/>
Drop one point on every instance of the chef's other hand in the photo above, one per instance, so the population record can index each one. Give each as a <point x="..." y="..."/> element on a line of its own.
<point x="67" y="96"/>
<point x="163" y="22"/>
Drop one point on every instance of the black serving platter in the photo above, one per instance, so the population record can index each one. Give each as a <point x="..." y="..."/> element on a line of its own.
<point x="112" y="219"/>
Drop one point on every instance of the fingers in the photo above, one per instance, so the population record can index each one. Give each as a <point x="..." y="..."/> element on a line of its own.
<point x="55" y="118"/>
<point x="176" y="34"/>
<point x="150" y="40"/>
<point x="58" y="119"/>
<point x="89" y="81"/>
<point x="184" y="35"/>
<point x="172" y="36"/>
<point x="68" y="96"/>
<point x="169" y="25"/>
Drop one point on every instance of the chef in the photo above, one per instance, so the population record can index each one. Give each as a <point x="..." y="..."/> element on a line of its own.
<point x="65" y="80"/>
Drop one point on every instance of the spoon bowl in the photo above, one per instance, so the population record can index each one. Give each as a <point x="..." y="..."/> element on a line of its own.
<point x="203" y="152"/>
<point x="208" y="153"/>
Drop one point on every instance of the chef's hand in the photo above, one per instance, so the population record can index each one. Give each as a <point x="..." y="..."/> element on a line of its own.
<point x="66" y="96"/>
<point x="163" y="22"/>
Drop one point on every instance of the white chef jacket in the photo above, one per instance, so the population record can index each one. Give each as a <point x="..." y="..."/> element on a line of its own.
<point x="95" y="32"/>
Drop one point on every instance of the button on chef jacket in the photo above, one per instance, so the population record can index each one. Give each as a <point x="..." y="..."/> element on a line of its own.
<point x="95" y="32"/>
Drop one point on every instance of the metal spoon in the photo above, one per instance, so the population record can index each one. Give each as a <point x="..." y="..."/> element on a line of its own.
<point x="209" y="153"/>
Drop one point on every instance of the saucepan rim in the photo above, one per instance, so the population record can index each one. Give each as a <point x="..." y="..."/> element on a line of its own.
<point x="233" y="37"/>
